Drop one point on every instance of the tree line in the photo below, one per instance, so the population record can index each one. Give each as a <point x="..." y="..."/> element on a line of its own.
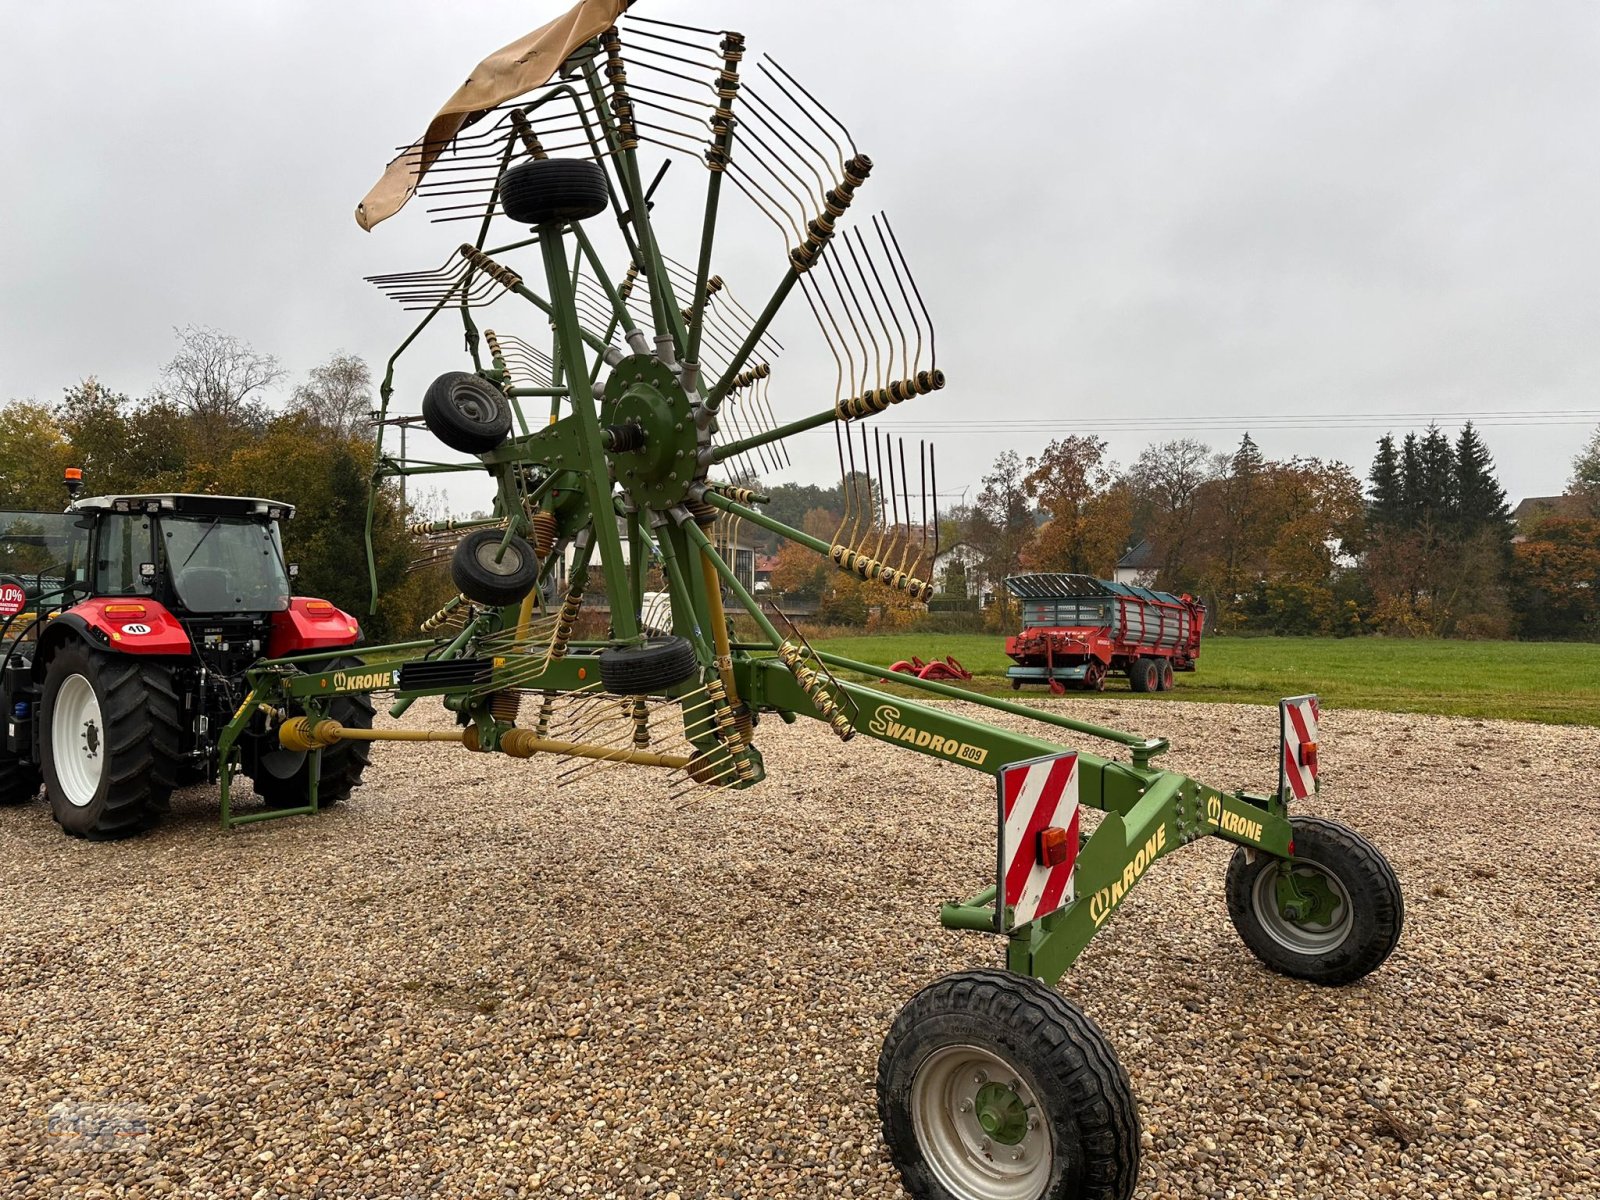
<point x="1425" y="546"/>
<point x="211" y="426"/>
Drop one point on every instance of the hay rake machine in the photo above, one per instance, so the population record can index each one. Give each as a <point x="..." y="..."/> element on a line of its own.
<point x="620" y="407"/>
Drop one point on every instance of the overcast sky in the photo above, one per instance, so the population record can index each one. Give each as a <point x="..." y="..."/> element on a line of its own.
<point x="1142" y="220"/>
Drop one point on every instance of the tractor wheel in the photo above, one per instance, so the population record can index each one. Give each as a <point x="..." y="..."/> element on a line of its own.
<point x="479" y="575"/>
<point x="1016" y="685"/>
<point x="1346" y="920"/>
<point x="992" y="1086"/>
<point x="282" y="778"/>
<point x="19" y="779"/>
<point x="543" y="191"/>
<point x="466" y="413"/>
<point x="1167" y="678"/>
<point x="1144" y="675"/>
<point x="110" y="744"/>
<point x="658" y="664"/>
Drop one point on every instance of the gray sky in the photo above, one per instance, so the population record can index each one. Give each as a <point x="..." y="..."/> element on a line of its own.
<point x="1122" y="215"/>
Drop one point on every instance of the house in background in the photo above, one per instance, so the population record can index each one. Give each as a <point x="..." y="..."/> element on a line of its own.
<point x="958" y="574"/>
<point x="1138" y="566"/>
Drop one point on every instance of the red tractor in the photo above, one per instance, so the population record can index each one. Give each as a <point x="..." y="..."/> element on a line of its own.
<point x="127" y="623"/>
<point x="1077" y="630"/>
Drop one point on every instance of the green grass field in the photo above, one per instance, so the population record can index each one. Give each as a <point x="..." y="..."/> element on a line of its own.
<point x="1554" y="682"/>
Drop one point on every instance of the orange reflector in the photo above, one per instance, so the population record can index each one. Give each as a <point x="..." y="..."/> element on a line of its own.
<point x="318" y="606"/>
<point x="1053" y="846"/>
<point x="73" y="473"/>
<point x="136" y="610"/>
<point x="1308" y="755"/>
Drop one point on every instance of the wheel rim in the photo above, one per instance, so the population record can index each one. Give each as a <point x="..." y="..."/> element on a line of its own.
<point x="472" y="406"/>
<point x="510" y="564"/>
<point x="1322" y="927"/>
<point x="77" y="739"/>
<point x="980" y="1125"/>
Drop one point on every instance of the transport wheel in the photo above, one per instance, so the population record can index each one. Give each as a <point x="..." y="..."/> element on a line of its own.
<point x="19" y="780"/>
<point x="480" y="577"/>
<point x="648" y="669"/>
<point x="1144" y="675"/>
<point x="545" y="190"/>
<point x="1016" y="685"/>
<point x="466" y="413"/>
<point x="1167" y="678"/>
<point x="1339" y="920"/>
<point x="282" y="778"/>
<point x="110" y="744"/>
<point x="992" y="1086"/>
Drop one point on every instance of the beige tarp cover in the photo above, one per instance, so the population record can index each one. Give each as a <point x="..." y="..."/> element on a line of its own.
<point x="525" y="64"/>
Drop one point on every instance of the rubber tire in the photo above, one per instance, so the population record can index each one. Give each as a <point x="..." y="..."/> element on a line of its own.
<point x="1095" y="1122"/>
<point x="342" y="762"/>
<point x="138" y="704"/>
<point x="518" y="572"/>
<point x="19" y="779"/>
<point x="1168" y="679"/>
<point x="1369" y="881"/>
<point x="544" y="191"/>
<point x="466" y="413"/>
<point x="649" y="669"/>
<point x="1143" y="675"/>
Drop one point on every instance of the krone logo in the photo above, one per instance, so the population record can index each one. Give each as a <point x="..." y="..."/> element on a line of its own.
<point x="371" y="679"/>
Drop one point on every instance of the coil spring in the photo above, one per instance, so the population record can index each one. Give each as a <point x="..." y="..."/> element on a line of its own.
<point x="713" y="286"/>
<point x="621" y="106"/>
<point x="565" y="619"/>
<point x="878" y="399"/>
<point x="703" y="513"/>
<point x="530" y="140"/>
<point x="628" y="281"/>
<point x="439" y="618"/>
<point x="641" y="725"/>
<point x="745" y="378"/>
<point x="864" y="566"/>
<point x="544" y="527"/>
<point x="739" y="495"/>
<point x="493" y="339"/>
<point x="820" y="228"/>
<point x="547" y="710"/>
<point x="504" y="276"/>
<point x="505" y="704"/>
<point x="816" y="687"/>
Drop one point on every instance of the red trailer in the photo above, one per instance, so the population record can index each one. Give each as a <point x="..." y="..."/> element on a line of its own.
<point x="1076" y="630"/>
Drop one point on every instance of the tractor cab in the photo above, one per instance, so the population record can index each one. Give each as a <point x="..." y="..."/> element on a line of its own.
<point x="198" y="555"/>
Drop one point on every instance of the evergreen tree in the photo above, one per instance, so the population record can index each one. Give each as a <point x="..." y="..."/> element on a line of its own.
<point x="1436" y="480"/>
<point x="1410" y="481"/>
<point x="1386" y="506"/>
<point x="1247" y="460"/>
<point x="1480" y="500"/>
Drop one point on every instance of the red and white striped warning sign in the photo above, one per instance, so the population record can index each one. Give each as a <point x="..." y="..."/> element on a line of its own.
<point x="1038" y="835"/>
<point x="1298" y="716"/>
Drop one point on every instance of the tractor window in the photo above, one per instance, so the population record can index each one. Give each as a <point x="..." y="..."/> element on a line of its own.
<point x="225" y="564"/>
<point x="123" y="543"/>
<point x="45" y="553"/>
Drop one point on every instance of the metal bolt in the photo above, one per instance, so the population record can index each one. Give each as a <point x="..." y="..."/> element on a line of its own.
<point x="983" y="1144"/>
<point x="1015" y="1085"/>
<point x="980" y="1078"/>
<point x="965" y="1106"/>
<point x="1016" y="1155"/>
<point x="1033" y="1124"/>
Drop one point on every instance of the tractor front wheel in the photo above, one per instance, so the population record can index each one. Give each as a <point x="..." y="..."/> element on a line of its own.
<point x="110" y="744"/>
<point x="1330" y="914"/>
<point x="992" y="1086"/>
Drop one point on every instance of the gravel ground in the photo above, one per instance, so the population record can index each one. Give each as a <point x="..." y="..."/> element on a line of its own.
<point x="465" y="983"/>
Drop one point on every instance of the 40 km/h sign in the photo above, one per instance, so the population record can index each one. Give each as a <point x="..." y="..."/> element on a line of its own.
<point x="12" y="599"/>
